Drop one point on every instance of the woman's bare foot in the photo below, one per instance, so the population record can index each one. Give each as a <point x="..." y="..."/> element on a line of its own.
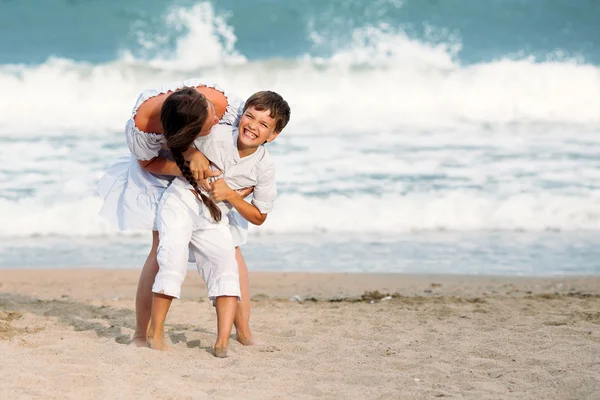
<point x="220" y="352"/>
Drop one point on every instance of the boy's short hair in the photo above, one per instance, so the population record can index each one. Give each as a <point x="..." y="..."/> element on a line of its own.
<point x="267" y="100"/>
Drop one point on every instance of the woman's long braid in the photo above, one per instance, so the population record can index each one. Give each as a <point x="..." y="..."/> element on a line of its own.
<point x="215" y="212"/>
<point x="183" y="115"/>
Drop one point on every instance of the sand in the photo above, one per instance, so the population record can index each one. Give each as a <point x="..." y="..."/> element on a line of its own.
<point x="64" y="334"/>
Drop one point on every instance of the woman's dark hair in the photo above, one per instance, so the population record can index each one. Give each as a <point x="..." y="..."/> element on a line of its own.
<point x="183" y="114"/>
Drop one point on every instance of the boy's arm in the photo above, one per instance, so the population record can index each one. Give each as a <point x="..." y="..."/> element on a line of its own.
<point x="247" y="210"/>
<point x="221" y="192"/>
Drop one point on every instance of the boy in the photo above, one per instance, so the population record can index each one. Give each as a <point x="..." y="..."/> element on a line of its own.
<point x="183" y="219"/>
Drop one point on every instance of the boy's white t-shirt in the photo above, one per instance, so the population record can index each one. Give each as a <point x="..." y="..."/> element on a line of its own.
<point x="256" y="170"/>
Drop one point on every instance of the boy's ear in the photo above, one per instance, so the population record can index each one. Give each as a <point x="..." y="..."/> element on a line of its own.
<point x="272" y="137"/>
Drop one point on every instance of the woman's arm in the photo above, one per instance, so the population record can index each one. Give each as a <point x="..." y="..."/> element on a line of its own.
<point x="199" y="165"/>
<point x="160" y="166"/>
<point x="221" y="192"/>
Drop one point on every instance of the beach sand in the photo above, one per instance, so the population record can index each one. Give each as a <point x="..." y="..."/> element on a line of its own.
<point x="64" y="334"/>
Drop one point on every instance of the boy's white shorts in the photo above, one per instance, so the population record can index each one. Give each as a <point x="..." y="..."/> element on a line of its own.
<point x="184" y="226"/>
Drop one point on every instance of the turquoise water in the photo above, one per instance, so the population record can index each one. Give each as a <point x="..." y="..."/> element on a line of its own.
<point x="483" y="253"/>
<point x="95" y="31"/>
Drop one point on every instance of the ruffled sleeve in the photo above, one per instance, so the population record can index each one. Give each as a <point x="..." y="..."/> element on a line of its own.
<point x="144" y="146"/>
<point x="234" y="111"/>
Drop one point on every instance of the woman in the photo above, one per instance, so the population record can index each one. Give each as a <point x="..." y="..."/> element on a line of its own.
<point x="132" y="188"/>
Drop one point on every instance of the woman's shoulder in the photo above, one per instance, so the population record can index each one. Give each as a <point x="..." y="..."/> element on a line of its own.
<point x="233" y="104"/>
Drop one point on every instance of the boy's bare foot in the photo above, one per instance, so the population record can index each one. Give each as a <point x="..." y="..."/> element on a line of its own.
<point x="247" y="340"/>
<point x="138" y="341"/>
<point x="157" y="343"/>
<point x="220" y="352"/>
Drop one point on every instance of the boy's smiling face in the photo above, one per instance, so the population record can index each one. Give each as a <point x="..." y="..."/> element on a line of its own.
<point x="256" y="127"/>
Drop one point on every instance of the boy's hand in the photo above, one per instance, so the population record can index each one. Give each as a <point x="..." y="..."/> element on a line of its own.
<point x="220" y="191"/>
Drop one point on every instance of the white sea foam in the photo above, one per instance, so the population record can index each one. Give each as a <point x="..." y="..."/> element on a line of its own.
<point x="456" y="211"/>
<point x="388" y="134"/>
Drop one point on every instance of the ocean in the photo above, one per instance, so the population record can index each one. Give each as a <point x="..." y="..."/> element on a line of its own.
<point x="426" y="136"/>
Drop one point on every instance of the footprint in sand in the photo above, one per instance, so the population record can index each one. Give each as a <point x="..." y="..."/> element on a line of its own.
<point x="269" y="349"/>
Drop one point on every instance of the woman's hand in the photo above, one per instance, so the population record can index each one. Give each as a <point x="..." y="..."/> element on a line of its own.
<point x="200" y="167"/>
<point x="198" y="163"/>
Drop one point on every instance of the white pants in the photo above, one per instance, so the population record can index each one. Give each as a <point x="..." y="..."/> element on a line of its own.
<point x="184" y="224"/>
<point x="238" y="227"/>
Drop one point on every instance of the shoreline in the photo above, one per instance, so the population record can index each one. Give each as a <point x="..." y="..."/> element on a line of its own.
<point x="321" y="285"/>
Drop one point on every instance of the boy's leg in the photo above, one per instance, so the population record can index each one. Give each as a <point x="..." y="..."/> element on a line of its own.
<point x="238" y="227"/>
<point x="242" y="314"/>
<point x="156" y="331"/>
<point x="143" y="297"/>
<point x="226" y="306"/>
<point x="215" y="259"/>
